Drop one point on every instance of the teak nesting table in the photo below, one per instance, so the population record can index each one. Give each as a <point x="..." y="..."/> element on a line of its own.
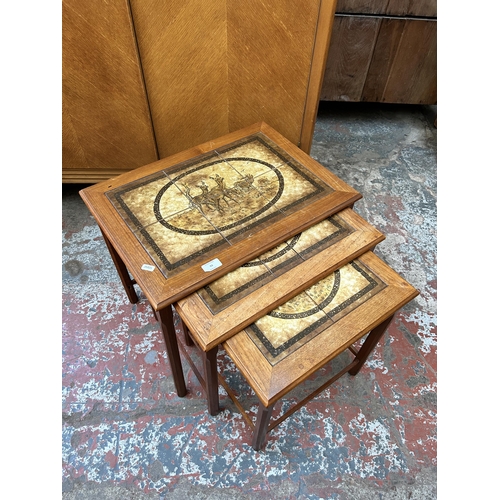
<point x="257" y="247"/>
<point x="286" y="345"/>
<point x="182" y="222"/>
<point x="283" y="348"/>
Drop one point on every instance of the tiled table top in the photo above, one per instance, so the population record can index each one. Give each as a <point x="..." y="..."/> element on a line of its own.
<point x="188" y="212"/>
<point x="254" y="274"/>
<point x="286" y="328"/>
<point x="292" y="341"/>
<point x="228" y="304"/>
<point x="184" y="221"/>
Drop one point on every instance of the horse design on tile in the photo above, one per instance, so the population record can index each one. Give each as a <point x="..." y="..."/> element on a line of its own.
<point x="217" y="198"/>
<point x="212" y="199"/>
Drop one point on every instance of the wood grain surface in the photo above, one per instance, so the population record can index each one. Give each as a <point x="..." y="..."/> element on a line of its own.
<point x="419" y="8"/>
<point x="423" y="8"/>
<point x="160" y="291"/>
<point x="382" y="59"/>
<point x="406" y="52"/>
<point x="105" y="116"/>
<point x="183" y="48"/>
<point x="362" y="6"/>
<point x="271" y="382"/>
<point x="349" y="58"/>
<point x="147" y="79"/>
<point x="215" y="67"/>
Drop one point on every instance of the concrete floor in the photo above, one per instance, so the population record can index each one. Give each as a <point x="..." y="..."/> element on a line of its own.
<point x="125" y="435"/>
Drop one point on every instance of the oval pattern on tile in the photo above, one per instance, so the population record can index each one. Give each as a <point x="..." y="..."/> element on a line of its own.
<point x="324" y="292"/>
<point x="275" y="253"/>
<point x="222" y="195"/>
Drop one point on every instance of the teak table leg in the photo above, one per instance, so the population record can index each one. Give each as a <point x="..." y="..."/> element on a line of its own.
<point x="185" y="333"/>
<point x="122" y="270"/>
<point x="369" y="344"/>
<point x="168" y="330"/>
<point x="211" y="380"/>
<point x="261" y="425"/>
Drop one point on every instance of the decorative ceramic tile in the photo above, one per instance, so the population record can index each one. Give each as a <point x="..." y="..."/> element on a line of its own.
<point x="214" y="200"/>
<point x="346" y="289"/>
<point x="136" y="202"/>
<point x="320" y="236"/>
<point x="279" y="178"/>
<point x="287" y="327"/>
<point x="296" y="322"/>
<point x="235" y="285"/>
<point x="258" y="272"/>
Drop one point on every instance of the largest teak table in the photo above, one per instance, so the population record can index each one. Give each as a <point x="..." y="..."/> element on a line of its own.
<point x="182" y="222"/>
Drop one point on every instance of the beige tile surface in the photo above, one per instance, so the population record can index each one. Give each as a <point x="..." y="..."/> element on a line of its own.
<point x="236" y="285"/>
<point x="214" y="201"/>
<point x="296" y="322"/>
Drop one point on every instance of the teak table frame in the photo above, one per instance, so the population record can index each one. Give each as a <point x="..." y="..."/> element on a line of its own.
<point x="272" y="380"/>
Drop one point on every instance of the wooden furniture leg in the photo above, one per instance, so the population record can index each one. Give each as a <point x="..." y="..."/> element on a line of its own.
<point x="264" y="413"/>
<point x="187" y="338"/>
<point x="261" y="425"/>
<point x="211" y="380"/>
<point x="174" y="358"/>
<point x="122" y="270"/>
<point x="369" y="344"/>
<point x="164" y="316"/>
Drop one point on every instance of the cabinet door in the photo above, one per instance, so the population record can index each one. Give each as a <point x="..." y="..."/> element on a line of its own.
<point x="352" y="43"/>
<point x="421" y="8"/>
<point x="183" y="48"/>
<point x="362" y="6"/>
<point x="106" y="124"/>
<point x="212" y="67"/>
<point x="277" y="52"/>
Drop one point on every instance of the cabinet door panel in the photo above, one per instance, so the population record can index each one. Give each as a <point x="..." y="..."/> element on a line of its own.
<point x="106" y="122"/>
<point x="382" y="59"/>
<point x="215" y="67"/>
<point x="351" y="47"/>
<point x="183" y="47"/>
<point x="422" y="8"/>
<point x="406" y="57"/>
<point x="362" y="6"/>
<point x="386" y="48"/>
<point x="270" y="48"/>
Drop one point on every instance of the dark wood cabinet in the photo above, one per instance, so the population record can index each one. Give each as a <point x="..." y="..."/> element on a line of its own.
<point x="383" y="51"/>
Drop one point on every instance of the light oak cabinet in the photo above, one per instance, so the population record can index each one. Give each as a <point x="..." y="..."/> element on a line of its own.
<point x="144" y="79"/>
<point x="383" y="51"/>
<point x="106" y="123"/>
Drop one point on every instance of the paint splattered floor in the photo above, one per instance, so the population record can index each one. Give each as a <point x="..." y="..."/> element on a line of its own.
<point x="126" y="435"/>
